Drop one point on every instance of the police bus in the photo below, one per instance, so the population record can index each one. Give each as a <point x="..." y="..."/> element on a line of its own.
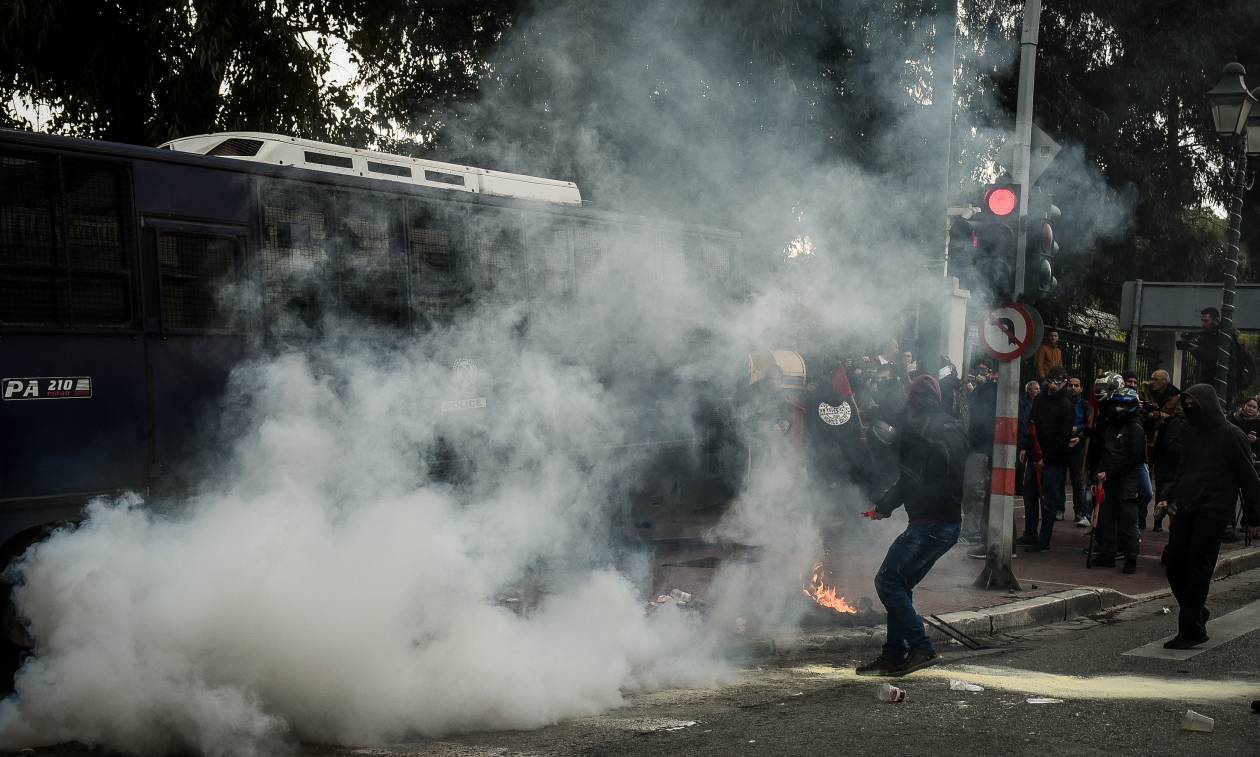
<point x="116" y="336"/>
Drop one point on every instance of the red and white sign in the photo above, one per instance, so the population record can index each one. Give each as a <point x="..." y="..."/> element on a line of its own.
<point x="1010" y="331"/>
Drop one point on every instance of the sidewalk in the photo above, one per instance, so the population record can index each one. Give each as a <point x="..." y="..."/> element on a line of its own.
<point x="949" y="588"/>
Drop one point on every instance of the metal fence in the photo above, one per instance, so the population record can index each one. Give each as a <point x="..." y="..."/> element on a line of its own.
<point x="1089" y="355"/>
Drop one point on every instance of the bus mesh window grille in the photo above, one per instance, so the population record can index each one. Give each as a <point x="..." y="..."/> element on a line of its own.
<point x="587" y="249"/>
<point x="550" y="265"/>
<point x="93" y="226"/>
<point x="294" y="254"/>
<point x="369" y="276"/>
<point x="28" y="222"/>
<point x="495" y="256"/>
<point x="432" y="263"/>
<point x="33" y="286"/>
<point x="93" y="210"/>
<point x="96" y="243"/>
<point x="716" y="260"/>
<point x="430" y="249"/>
<point x="195" y="268"/>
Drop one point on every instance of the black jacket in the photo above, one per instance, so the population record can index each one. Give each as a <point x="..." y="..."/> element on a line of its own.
<point x="1051" y="419"/>
<point x="1215" y="463"/>
<point x="932" y="452"/>
<point x="1166" y="454"/>
<point x="1124" y="451"/>
<point x="1248" y="426"/>
<point x="982" y="415"/>
<point x="1206" y="345"/>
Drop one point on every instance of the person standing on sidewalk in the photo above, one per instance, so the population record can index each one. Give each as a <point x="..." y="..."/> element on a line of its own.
<point x="1050" y="429"/>
<point x="981" y="417"/>
<point x="1025" y="481"/>
<point x="1124" y="452"/>
<point x="1215" y="466"/>
<point x="1048" y="356"/>
<point x="1076" y="459"/>
<point x="1166" y="454"/>
<point x="932" y="450"/>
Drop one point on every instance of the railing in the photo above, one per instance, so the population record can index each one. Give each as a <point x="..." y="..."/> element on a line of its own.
<point x="1089" y="355"/>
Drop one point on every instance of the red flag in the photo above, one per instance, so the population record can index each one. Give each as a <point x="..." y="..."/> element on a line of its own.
<point x="840" y="382"/>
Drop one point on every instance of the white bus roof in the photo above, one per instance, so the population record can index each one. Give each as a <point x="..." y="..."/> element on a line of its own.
<point x="280" y="150"/>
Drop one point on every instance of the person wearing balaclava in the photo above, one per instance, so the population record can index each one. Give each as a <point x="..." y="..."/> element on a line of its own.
<point x="932" y="450"/>
<point x="1123" y="455"/>
<point x="1214" y="467"/>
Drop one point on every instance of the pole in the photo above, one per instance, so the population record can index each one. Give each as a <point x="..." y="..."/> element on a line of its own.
<point x="997" y="572"/>
<point x="930" y="326"/>
<point x="1225" y="334"/>
<point x="1135" y="328"/>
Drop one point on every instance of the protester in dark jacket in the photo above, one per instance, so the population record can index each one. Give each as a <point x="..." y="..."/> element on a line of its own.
<point x="1247" y="418"/>
<point x="980" y="420"/>
<point x="1166" y="455"/>
<point x="1025" y="483"/>
<point x="1123" y="455"/>
<point x="1215" y="467"/>
<point x="932" y="447"/>
<point x="1050" y="429"/>
<point x="1206" y="345"/>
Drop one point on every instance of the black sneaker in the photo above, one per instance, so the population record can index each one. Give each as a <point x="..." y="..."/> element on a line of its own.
<point x="880" y="666"/>
<point x="918" y="659"/>
<point x="978" y="554"/>
<point x="1182" y="642"/>
<point x="1026" y="541"/>
<point x="1130" y="566"/>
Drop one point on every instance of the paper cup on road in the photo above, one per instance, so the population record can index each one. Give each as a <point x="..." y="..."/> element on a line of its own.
<point x="1193" y="721"/>
<point x="890" y="694"/>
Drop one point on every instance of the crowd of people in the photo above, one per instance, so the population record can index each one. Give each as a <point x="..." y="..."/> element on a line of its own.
<point x="1122" y="447"/>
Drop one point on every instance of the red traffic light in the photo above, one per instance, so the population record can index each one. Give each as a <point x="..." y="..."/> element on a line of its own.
<point x="1001" y="201"/>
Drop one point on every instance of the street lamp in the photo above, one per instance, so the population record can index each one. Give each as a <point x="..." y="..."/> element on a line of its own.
<point x="1230" y="102"/>
<point x="1252" y="136"/>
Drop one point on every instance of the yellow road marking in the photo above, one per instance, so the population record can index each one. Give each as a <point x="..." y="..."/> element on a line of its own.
<point x="1063" y="686"/>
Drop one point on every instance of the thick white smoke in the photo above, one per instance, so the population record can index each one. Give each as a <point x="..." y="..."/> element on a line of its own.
<point x="329" y="593"/>
<point x="324" y="584"/>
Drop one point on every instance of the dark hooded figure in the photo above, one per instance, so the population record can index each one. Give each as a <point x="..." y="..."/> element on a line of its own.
<point x="1123" y="454"/>
<point x="932" y="449"/>
<point x="1214" y="466"/>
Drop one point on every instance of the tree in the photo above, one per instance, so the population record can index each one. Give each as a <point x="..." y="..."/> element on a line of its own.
<point x="144" y="71"/>
<point x="1122" y="83"/>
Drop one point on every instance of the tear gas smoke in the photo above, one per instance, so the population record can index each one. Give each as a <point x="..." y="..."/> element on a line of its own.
<point x="322" y="583"/>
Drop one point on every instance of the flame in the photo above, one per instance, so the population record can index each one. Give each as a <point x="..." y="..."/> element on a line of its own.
<point x="824" y="593"/>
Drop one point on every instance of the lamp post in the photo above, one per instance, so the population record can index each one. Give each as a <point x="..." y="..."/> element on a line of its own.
<point x="1230" y="102"/>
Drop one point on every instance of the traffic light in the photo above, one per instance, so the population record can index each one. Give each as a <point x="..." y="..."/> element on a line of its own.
<point x="995" y="228"/>
<point x="1039" y="254"/>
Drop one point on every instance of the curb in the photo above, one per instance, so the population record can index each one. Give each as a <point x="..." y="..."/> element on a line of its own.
<point x="1236" y="562"/>
<point x="978" y="624"/>
<point x="990" y="621"/>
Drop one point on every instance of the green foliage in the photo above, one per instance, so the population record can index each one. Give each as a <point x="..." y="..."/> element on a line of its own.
<point x="144" y="71"/>
<point x="1125" y="81"/>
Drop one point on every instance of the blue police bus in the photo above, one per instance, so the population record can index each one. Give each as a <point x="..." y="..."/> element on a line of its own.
<point x="117" y="339"/>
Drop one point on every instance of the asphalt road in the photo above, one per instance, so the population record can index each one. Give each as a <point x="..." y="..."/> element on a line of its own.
<point x="1112" y="704"/>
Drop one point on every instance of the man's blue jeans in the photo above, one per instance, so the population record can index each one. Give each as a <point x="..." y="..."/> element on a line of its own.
<point x="1039" y="516"/>
<point x="909" y="558"/>
<point x="1146" y="493"/>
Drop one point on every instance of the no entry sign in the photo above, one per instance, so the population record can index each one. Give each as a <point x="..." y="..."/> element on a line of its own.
<point x="1011" y="331"/>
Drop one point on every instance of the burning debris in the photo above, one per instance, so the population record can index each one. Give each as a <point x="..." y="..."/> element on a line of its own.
<point x="822" y="590"/>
